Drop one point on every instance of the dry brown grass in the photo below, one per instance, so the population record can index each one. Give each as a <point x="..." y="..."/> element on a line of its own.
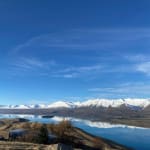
<point x="23" y="146"/>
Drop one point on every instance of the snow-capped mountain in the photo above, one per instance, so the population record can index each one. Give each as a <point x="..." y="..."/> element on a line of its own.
<point x="131" y="103"/>
<point x="60" y="104"/>
<point x="116" y="102"/>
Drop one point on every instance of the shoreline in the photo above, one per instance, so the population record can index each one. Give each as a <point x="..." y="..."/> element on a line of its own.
<point x="132" y="122"/>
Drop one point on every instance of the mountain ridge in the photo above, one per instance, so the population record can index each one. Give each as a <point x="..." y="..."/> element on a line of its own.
<point x="128" y="102"/>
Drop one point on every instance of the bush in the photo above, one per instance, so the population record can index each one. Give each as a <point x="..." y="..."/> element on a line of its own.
<point x="64" y="131"/>
<point x="63" y="127"/>
<point x="29" y="137"/>
<point x="42" y="137"/>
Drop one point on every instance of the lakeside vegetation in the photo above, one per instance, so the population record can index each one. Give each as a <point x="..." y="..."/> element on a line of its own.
<point x="53" y="134"/>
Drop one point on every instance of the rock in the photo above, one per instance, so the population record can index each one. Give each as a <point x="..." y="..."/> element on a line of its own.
<point x="61" y="146"/>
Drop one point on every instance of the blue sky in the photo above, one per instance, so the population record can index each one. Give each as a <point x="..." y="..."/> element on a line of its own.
<point x="73" y="50"/>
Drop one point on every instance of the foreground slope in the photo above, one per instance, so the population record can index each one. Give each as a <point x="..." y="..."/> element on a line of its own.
<point x="70" y="138"/>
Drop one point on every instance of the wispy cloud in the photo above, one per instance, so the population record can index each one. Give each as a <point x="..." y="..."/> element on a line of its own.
<point x="79" y="71"/>
<point x="28" y="43"/>
<point x="32" y="64"/>
<point x="125" y="90"/>
<point x="141" y="63"/>
<point x="138" y="63"/>
<point x="53" y="69"/>
<point x="137" y="57"/>
<point x="66" y="75"/>
<point x="144" y="68"/>
<point x="88" y="39"/>
<point x="29" y="63"/>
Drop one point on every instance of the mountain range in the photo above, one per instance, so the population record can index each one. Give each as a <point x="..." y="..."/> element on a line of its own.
<point x="114" y="103"/>
<point x="134" y="112"/>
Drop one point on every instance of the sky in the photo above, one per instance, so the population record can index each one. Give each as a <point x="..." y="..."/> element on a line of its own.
<point x="73" y="50"/>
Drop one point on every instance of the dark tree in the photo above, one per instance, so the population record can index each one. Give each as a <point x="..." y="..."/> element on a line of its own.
<point x="43" y="135"/>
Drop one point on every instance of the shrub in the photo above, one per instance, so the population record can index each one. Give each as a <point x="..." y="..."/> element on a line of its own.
<point x="29" y="137"/>
<point x="42" y="137"/>
<point x="63" y="127"/>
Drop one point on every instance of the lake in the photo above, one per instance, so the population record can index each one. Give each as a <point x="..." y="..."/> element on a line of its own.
<point x="135" y="137"/>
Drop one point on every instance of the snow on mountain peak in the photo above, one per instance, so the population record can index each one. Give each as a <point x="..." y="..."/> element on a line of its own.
<point x="116" y="102"/>
<point x="129" y="102"/>
<point x="61" y="104"/>
<point x="138" y="102"/>
<point x="103" y="102"/>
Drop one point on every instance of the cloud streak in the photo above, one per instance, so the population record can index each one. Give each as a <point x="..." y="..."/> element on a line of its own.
<point x="80" y="71"/>
<point x="87" y="39"/>
<point x="144" y="68"/>
<point x="32" y="64"/>
<point x="127" y="89"/>
<point x="53" y="69"/>
<point x="141" y="63"/>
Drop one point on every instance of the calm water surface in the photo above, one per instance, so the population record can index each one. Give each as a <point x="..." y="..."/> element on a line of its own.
<point x="137" y="138"/>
